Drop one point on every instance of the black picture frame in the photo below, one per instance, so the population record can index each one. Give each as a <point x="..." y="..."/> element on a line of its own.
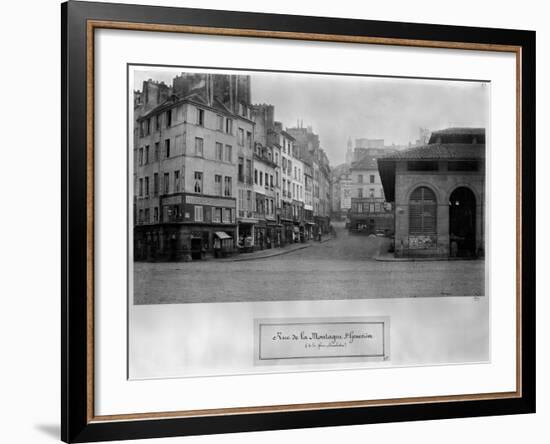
<point x="77" y="425"/>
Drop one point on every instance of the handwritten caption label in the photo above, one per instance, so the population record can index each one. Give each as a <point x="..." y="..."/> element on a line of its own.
<point x="322" y="339"/>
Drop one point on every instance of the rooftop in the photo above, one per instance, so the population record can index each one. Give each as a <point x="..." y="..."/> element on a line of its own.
<point x="366" y="163"/>
<point x="434" y="151"/>
<point x="194" y="97"/>
<point x="458" y="135"/>
<point x="447" y="144"/>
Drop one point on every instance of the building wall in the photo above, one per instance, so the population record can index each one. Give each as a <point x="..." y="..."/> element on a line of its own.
<point x="369" y="143"/>
<point x="208" y="163"/>
<point x="307" y="149"/>
<point x="298" y="180"/>
<point x="184" y="156"/>
<point x="166" y="215"/>
<point x="264" y="177"/>
<point x="365" y="184"/>
<point x="442" y="183"/>
<point x="277" y="179"/>
<point x="345" y="194"/>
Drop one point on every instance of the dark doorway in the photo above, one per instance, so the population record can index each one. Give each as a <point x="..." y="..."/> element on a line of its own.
<point x="372" y="226"/>
<point x="462" y="223"/>
<point x="197" y="250"/>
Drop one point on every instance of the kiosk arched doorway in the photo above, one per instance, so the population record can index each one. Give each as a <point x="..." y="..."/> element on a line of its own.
<point x="462" y="223"/>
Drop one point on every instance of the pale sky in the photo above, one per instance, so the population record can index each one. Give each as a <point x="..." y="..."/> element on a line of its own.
<point x="339" y="107"/>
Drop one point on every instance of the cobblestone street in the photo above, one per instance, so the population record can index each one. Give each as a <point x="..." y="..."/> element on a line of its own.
<point x="341" y="268"/>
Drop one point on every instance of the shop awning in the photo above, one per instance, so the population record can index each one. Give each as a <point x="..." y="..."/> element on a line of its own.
<point x="223" y="235"/>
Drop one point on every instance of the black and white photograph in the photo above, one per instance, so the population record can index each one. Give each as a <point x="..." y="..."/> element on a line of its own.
<point x="264" y="222"/>
<point x="313" y="220"/>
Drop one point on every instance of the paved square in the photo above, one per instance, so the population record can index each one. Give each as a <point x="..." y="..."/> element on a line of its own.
<point x="341" y="268"/>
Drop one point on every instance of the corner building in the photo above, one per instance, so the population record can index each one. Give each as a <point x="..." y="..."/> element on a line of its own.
<point x="186" y="166"/>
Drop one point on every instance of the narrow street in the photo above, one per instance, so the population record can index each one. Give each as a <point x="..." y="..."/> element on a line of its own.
<point x="341" y="268"/>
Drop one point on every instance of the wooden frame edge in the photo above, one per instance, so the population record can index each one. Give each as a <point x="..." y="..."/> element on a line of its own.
<point x="106" y="24"/>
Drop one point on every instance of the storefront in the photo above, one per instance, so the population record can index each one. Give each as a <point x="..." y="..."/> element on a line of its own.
<point x="223" y="244"/>
<point x="245" y="238"/>
<point x="309" y="227"/>
<point x="271" y="235"/>
<point x="187" y="228"/>
<point x="323" y="224"/>
<point x="260" y="235"/>
<point x="287" y="228"/>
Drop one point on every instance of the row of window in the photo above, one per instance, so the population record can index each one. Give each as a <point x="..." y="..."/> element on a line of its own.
<point x="155" y="123"/>
<point x="144" y="185"/>
<point x="452" y="165"/>
<point x="144" y="216"/>
<point x="258" y="203"/>
<point x="370" y="207"/>
<point x="241" y="170"/>
<point x="221" y="152"/>
<point x="223" y="186"/>
<point x="297" y="190"/>
<point x="175" y="212"/>
<point x="287" y="146"/>
<point x="146" y="125"/>
<point x="227" y="185"/>
<point x="360" y="193"/>
<point x="287" y="169"/>
<point x="372" y="178"/>
<point x="268" y="182"/>
<point x="292" y="211"/>
<point x="264" y="206"/>
<point x="144" y="155"/>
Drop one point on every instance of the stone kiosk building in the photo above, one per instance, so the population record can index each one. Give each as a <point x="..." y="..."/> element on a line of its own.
<point x="439" y="194"/>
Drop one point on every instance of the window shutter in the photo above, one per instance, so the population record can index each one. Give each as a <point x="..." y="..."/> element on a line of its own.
<point x="422" y="212"/>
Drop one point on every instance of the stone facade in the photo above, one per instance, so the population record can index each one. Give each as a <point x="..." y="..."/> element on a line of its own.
<point x="442" y="183"/>
<point x="439" y="194"/>
<point x="308" y="150"/>
<point x="211" y="170"/>
<point x="185" y="171"/>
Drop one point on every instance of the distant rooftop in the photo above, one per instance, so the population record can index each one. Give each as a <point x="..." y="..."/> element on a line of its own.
<point x="366" y="163"/>
<point x="458" y="135"/>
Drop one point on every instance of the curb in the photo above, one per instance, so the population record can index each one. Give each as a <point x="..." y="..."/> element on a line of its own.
<point x="278" y="253"/>
<point x="423" y="259"/>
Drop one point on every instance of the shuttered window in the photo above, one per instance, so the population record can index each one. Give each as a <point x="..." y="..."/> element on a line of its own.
<point x="422" y="212"/>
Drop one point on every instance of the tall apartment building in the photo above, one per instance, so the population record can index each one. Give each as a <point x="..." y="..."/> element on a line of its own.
<point x="369" y="211"/>
<point x="341" y="192"/>
<point x="308" y="200"/>
<point x="290" y="222"/>
<point x="189" y="140"/>
<point x="308" y="150"/>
